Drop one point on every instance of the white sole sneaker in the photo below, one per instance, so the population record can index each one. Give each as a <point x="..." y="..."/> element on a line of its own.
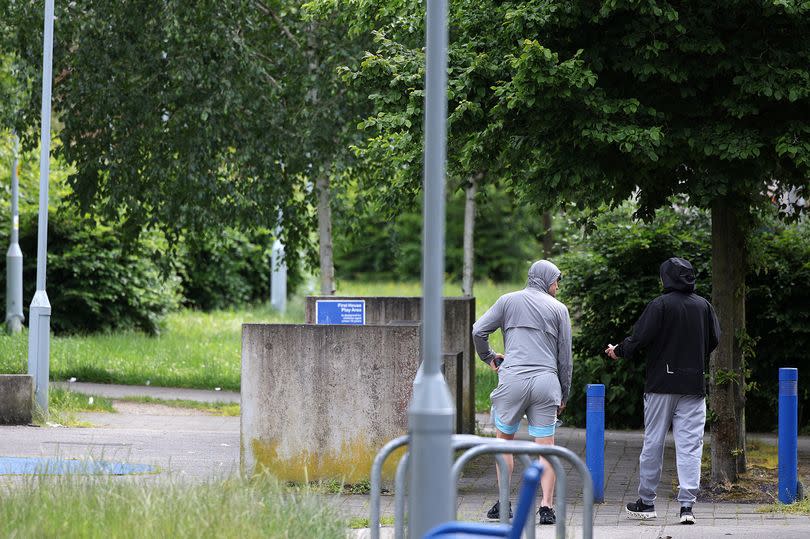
<point x="687" y="519"/>
<point x="640" y="515"/>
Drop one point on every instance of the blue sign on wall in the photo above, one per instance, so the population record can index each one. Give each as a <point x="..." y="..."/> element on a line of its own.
<point x="340" y="311"/>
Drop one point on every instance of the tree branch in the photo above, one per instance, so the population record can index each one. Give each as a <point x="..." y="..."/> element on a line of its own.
<point x="267" y="11"/>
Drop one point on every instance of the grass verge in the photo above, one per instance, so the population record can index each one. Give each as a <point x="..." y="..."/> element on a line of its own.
<point x="801" y="507"/>
<point x="63" y="405"/>
<point x="333" y="486"/>
<point x="357" y="523"/>
<point x="100" y="507"/>
<point x="215" y="408"/>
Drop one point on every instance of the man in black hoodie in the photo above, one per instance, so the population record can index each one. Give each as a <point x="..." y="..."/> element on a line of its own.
<point x="676" y="333"/>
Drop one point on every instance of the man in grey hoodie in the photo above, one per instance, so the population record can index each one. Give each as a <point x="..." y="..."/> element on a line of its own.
<point x="534" y="373"/>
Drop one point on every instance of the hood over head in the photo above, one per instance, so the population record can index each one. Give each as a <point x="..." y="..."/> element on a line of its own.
<point x="542" y="275"/>
<point x="678" y="274"/>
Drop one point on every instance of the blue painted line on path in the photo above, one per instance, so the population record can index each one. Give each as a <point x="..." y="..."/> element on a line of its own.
<point x="55" y="466"/>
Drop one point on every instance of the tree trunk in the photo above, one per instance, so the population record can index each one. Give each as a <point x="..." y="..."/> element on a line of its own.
<point x="727" y="387"/>
<point x="548" y="235"/>
<point x="468" y="271"/>
<point x="322" y="182"/>
<point x="325" y="236"/>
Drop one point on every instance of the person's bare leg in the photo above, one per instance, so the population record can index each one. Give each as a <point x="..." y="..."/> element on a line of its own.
<point x="510" y="461"/>
<point x="548" y="479"/>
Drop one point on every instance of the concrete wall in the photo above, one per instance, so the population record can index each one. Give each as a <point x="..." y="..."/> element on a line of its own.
<point x="319" y="402"/>
<point x="16" y="399"/>
<point x="459" y="316"/>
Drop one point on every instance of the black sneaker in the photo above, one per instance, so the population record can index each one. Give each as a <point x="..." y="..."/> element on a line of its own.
<point x="546" y="515"/>
<point x="495" y="512"/>
<point x="640" y="510"/>
<point x="686" y="515"/>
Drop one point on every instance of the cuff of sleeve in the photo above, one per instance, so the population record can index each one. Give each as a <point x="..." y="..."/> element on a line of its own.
<point x="488" y="359"/>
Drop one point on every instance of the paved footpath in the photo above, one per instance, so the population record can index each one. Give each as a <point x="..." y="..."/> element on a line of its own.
<point x="193" y="446"/>
<point x="478" y="491"/>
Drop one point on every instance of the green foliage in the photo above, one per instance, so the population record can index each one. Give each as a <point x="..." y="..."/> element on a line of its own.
<point x="606" y="284"/>
<point x="608" y="100"/>
<point x="229" y="269"/>
<point x="779" y="321"/>
<point x="98" y="282"/>
<point x="614" y="273"/>
<point x="184" y="116"/>
<point x="507" y="239"/>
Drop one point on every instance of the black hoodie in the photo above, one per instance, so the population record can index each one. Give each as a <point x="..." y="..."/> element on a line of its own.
<point x="678" y="330"/>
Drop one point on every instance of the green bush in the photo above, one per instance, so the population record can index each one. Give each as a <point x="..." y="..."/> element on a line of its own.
<point x="230" y="268"/>
<point x="778" y="320"/>
<point x="95" y="281"/>
<point x="606" y="284"/>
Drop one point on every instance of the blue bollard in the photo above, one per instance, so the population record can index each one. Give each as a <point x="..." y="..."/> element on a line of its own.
<point x="788" y="434"/>
<point x="595" y="439"/>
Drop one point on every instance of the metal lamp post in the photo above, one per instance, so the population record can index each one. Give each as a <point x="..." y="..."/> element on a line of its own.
<point x="40" y="312"/>
<point x="431" y="415"/>
<point x="14" y="258"/>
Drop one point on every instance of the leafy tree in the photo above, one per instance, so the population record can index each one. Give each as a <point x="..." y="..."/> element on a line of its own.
<point x="393" y="73"/>
<point x="187" y="116"/>
<point x="370" y="245"/>
<point x="593" y="102"/>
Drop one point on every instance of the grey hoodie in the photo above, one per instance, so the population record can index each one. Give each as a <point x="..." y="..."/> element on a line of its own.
<point x="536" y="330"/>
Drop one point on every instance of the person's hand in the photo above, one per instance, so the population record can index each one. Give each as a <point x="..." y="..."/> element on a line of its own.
<point x="611" y="351"/>
<point x="492" y="362"/>
<point x="560" y="408"/>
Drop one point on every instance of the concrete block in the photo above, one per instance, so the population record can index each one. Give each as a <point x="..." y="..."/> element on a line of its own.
<point x="16" y="399"/>
<point x="453" y="371"/>
<point x="459" y="317"/>
<point x="318" y="402"/>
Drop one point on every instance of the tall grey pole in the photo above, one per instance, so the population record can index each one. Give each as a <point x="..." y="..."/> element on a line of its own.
<point x="278" y="275"/>
<point x="14" y="257"/>
<point x="431" y="416"/>
<point x="40" y="312"/>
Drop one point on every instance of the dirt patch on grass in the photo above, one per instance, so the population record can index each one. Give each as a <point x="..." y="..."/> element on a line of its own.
<point x="758" y="485"/>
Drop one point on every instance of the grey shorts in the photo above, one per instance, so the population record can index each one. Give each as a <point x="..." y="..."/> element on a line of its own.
<point x="537" y="397"/>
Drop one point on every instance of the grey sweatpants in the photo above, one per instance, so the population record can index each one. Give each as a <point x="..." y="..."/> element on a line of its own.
<point x="687" y="415"/>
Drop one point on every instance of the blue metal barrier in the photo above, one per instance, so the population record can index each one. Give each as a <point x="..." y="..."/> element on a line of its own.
<point x="595" y="439"/>
<point x="788" y="434"/>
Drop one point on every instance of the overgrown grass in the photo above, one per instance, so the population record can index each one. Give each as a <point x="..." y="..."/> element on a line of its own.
<point x="228" y="409"/>
<point x="334" y="486"/>
<point x="197" y="350"/>
<point x="101" y="507"/>
<point x="63" y="405"/>
<point x="801" y="507"/>
<point x="360" y="522"/>
<point x="202" y="350"/>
